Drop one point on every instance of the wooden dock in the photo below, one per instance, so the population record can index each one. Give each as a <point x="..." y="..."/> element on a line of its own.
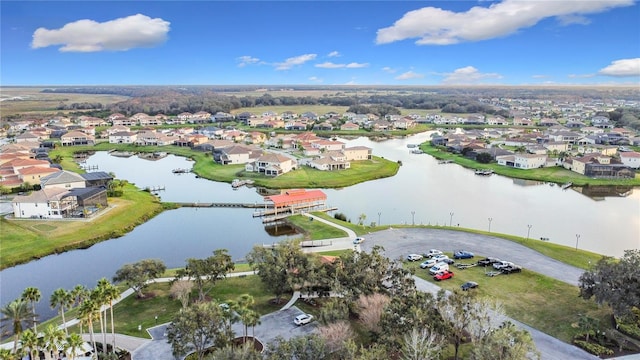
<point x="222" y="205"/>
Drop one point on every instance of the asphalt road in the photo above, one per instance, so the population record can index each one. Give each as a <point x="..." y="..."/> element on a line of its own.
<point x="399" y="242"/>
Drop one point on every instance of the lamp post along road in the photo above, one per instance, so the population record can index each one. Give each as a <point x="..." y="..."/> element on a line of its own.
<point x="413" y="218"/>
<point x="379" y="213"/>
<point x="490" y="220"/>
<point x="577" y="238"/>
<point x="528" y="230"/>
<point x="450" y="218"/>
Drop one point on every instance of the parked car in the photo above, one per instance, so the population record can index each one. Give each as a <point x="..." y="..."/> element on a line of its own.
<point x="414" y="257"/>
<point x="488" y="261"/>
<point x="444" y="275"/>
<point x="448" y="261"/>
<point x="439" y="267"/>
<point x="511" y="269"/>
<point x="303" y="319"/>
<point x="469" y="285"/>
<point x="502" y="264"/>
<point x="440" y="257"/>
<point x="428" y="263"/>
<point x="358" y="240"/>
<point x="432" y="252"/>
<point x="463" y="255"/>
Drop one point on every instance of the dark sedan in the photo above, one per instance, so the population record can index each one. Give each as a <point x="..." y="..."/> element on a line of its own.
<point x="469" y="285"/>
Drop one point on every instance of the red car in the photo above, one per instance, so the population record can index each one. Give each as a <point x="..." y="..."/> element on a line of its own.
<point x="443" y="275"/>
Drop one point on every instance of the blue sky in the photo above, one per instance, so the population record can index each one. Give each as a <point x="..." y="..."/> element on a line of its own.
<point x="508" y="42"/>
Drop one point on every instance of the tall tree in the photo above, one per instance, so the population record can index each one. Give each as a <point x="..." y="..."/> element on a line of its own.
<point x="87" y="313"/>
<point x="14" y="315"/>
<point x="281" y="268"/>
<point x="61" y="299"/>
<point x="505" y="343"/>
<point x="29" y="340"/>
<point x="138" y="274"/>
<point x="616" y="283"/>
<point x="181" y="289"/>
<point x="109" y="293"/>
<point x="32" y="295"/>
<point x="74" y="345"/>
<point x="421" y="344"/>
<point x="53" y="339"/>
<point x="197" y="327"/>
<point x="207" y="271"/>
<point x="242" y="306"/>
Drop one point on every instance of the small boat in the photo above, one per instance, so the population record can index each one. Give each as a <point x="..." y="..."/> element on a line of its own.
<point x="236" y="183"/>
<point x="445" y="161"/>
<point x="180" y="171"/>
<point x="567" y="185"/>
<point x="417" y="151"/>
<point x="410" y="146"/>
<point x="484" y="172"/>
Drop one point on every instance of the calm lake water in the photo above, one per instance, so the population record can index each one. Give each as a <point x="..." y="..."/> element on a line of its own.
<point x="423" y="192"/>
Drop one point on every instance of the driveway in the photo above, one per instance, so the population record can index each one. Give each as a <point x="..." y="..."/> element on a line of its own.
<point x="273" y="325"/>
<point x="398" y="242"/>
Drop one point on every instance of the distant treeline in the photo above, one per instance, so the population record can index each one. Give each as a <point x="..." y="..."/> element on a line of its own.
<point x="173" y="100"/>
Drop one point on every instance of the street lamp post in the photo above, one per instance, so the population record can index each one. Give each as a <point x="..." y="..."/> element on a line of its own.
<point x="413" y="218"/>
<point x="577" y="238"/>
<point x="379" y="213"/>
<point x="528" y="230"/>
<point x="450" y="218"/>
<point x="490" y="220"/>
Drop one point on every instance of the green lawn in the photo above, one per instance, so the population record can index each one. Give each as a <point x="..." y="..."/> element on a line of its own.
<point x="544" y="303"/>
<point x="24" y="240"/>
<point x="315" y="230"/>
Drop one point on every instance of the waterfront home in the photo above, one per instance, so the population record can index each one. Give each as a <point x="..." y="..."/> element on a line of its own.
<point x="63" y="179"/>
<point x="349" y="126"/>
<point x="601" y="166"/>
<point x="73" y="138"/>
<point x="330" y="161"/>
<point x="58" y="203"/>
<point x="522" y="161"/>
<point x="630" y="159"/>
<point x="355" y="153"/>
<point x="272" y="164"/>
<point x="123" y="137"/>
<point x="236" y="154"/>
<point x="34" y="174"/>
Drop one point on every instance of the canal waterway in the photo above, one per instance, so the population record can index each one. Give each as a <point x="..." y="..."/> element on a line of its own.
<point x="423" y="192"/>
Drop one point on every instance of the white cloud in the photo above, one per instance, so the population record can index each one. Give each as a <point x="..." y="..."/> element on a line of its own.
<point x="409" y="75"/>
<point x="293" y="61"/>
<point x="539" y="76"/>
<point x="315" y="79"/>
<point x="467" y="75"/>
<point x="435" y="26"/>
<point x="623" y="67"/>
<point x="247" y="60"/>
<point x="333" y="54"/>
<point x="388" y="69"/>
<point x="330" y="65"/>
<point x="114" y="35"/>
<point x="580" y="76"/>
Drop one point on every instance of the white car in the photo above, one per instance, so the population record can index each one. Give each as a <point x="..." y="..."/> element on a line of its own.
<point x="428" y="263"/>
<point x="414" y="257"/>
<point x="432" y="252"/>
<point x="440" y="257"/>
<point x="303" y="319"/>
<point x="501" y="264"/>
<point x="358" y="240"/>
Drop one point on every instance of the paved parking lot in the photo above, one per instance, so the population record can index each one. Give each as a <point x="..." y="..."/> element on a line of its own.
<point x="399" y="242"/>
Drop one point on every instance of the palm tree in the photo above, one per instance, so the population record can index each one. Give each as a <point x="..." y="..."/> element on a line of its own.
<point x="79" y="294"/>
<point x="110" y="293"/>
<point x="61" y="299"/>
<point x="253" y="319"/>
<point x="16" y="312"/>
<point x="87" y="313"/>
<point x="29" y="339"/>
<point x="33" y="295"/>
<point x="53" y="338"/>
<point x="98" y="297"/>
<point x="242" y="307"/>
<point x="74" y="343"/>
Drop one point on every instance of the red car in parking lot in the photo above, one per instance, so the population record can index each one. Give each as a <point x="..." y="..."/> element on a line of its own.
<point x="444" y="275"/>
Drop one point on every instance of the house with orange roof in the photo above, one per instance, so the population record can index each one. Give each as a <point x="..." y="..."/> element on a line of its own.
<point x="34" y="174"/>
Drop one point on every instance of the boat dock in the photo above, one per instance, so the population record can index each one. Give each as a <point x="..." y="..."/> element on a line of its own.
<point x="222" y="205"/>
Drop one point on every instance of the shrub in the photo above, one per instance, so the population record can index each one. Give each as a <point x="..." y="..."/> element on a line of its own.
<point x="595" y="349"/>
<point x="629" y="329"/>
<point x="340" y="216"/>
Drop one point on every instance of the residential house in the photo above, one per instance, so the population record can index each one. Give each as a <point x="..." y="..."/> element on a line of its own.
<point x="330" y="161"/>
<point x="404" y="123"/>
<point x="497" y="120"/>
<point x="97" y="179"/>
<point x="90" y="121"/>
<point x="323" y="126"/>
<point x="73" y="138"/>
<point x="123" y="137"/>
<point x="58" y="203"/>
<point x="124" y="121"/>
<point x="222" y="116"/>
<point x="355" y="153"/>
<point x="520" y="121"/>
<point x="557" y="146"/>
<point x="295" y="125"/>
<point x="63" y="179"/>
<point x="522" y="161"/>
<point x="244" y="117"/>
<point x="272" y="164"/>
<point x="630" y="159"/>
<point x="34" y="174"/>
<point x="349" y="126"/>
<point x="328" y="145"/>
<point x="601" y="166"/>
<point x="236" y="154"/>
<point x="381" y="125"/>
<point x="117" y="128"/>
